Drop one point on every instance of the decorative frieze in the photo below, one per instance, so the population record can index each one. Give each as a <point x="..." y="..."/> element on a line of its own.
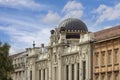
<point x="71" y="59"/>
<point x="42" y="65"/>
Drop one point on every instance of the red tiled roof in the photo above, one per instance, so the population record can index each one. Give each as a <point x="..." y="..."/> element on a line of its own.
<point x="107" y="33"/>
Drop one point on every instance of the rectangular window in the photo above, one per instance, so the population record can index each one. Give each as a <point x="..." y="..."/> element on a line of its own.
<point x="103" y="77"/>
<point x="78" y="71"/>
<point x="30" y="75"/>
<point x="67" y="71"/>
<point x="43" y="74"/>
<point x="96" y="77"/>
<point x="116" y="76"/>
<point x="96" y="63"/>
<point x="116" y="55"/>
<point x="56" y="73"/>
<point x="103" y="58"/>
<point x="39" y="74"/>
<point x="72" y="71"/>
<point x="109" y="76"/>
<point x="84" y="70"/>
<point x="109" y="57"/>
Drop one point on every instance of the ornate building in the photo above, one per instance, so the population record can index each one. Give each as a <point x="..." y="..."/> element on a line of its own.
<point x="73" y="53"/>
<point x="67" y="57"/>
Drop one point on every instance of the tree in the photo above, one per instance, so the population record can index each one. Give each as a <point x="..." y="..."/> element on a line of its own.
<point x="6" y="67"/>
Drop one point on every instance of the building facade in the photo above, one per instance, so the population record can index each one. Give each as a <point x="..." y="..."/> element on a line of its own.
<point x="73" y="53"/>
<point x="106" y="56"/>
<point x="67" y="57"/>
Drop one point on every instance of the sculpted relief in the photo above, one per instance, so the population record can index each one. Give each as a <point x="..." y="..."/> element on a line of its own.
<point x="70" y="59"/>
<point x="42" y="65"/>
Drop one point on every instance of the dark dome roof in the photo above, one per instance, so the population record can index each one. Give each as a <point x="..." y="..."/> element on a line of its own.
<point x="73" y="24"/>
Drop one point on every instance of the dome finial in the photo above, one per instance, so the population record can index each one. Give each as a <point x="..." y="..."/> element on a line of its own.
<point x="33" y="44"/>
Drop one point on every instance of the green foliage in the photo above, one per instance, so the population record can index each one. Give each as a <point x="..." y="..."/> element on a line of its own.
<point x="6" y="67"/>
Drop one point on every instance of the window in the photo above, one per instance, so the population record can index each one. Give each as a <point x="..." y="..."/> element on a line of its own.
<point x="116" y="76"/>
<point x="56" y="74"/>
<point x="30" y="75"/>
<point x="96" y="63"/>
<point x="67" y="71"/>
<point x="103" y="58"/>
<point x="103" y="77"/>
<point x="39" y="74"/>
<point x="84" y="70"/>
<point x="109" y="76"/>
<point x="55" y="58"/>
<point x="109" y="57"/>
<point x="116" y="55"/>
<point x="72" y="71"/>
<point x="43" y="74"/>
<point x="78" y="71"/>
<point x="96" y="77"/>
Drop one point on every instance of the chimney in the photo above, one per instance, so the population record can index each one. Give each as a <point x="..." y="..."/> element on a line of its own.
<point x="33" y="44"/>
<point x="42" y="45"/>
<point x="42" y="48"/>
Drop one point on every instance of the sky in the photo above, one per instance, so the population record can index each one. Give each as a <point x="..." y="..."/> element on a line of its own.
<point x="25" y="21"/>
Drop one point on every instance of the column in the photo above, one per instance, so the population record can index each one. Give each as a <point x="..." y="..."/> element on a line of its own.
<point x="46" y="74"/>
<point x="50" y="73"/>
<point x="38" y="74"/>
<point x="34" y="71"/>
<point x="87" y="68"/>
<point x="75" y="72"/>
<point x="16" y="76"/>
<point x="70" y="72"/>
<point x="80" y="71"/>
<point x="59" y="70"/>
<point x="53" y="73"/>
<point x="21" y="75"/>
<point x="64" y="75"/>
<point x="41" y="74"/>
<point x="28" y="75"/>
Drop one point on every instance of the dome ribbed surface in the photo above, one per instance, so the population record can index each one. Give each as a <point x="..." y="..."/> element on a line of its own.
<point x="73" y="24"/>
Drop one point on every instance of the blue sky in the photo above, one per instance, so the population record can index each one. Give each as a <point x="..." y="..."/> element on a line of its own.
<point x="25" y="21"/>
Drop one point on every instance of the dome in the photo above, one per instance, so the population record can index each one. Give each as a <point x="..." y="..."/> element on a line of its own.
<point x="73" y="24"/>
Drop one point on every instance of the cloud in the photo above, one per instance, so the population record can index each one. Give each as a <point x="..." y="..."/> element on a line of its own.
<point x="51" y="18"/>
<point x="24" y="38"/>
<point x="23" y="30"/>
<point x="22" y="4"/>
<point x="107" y="13"/>
<point x="73" y="9"/>
<point x="71" y="6"/>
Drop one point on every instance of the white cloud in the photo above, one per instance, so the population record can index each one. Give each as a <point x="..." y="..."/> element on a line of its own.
<point x="23" y="32"/>
<point x="107" y="13"/>
<point x="107" y="27"/>
<point x="71" y="6"/>
<point x="15" y="50"/>
<point x="25" y="38"/>
<point x="31" y="4"/>
<point x="51" y="17"/>
<point x="73" y="9"/>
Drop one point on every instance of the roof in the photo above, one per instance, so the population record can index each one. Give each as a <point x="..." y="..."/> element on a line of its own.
<point x="107" y="33"/>
<point x="15" y="55"/>
<point x="73" y="24"/>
